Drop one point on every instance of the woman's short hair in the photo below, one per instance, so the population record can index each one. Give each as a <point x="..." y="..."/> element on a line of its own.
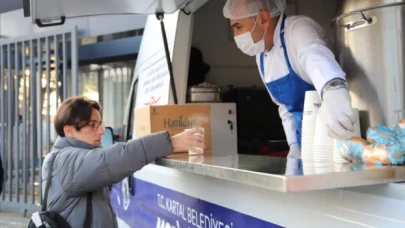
<point x="74" y="111"/>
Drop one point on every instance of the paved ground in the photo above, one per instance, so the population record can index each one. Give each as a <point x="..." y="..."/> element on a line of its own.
<point x="9" y="220"/>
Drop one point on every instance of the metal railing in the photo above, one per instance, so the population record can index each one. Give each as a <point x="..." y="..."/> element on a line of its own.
<point x="36" y="74"/>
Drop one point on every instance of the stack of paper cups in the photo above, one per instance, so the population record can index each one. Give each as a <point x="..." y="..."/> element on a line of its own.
<point x="308" y="167"/>
<point x="311" y="105"/>
<point x="323" y="148"/>
<point x="337" y="158"/>
<point x="324" y="167"/>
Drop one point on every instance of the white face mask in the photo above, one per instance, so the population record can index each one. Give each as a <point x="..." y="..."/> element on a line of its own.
<point x="246" y="44"/>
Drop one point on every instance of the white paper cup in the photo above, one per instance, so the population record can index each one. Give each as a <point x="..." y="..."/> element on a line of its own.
<point x="322" y="139"/>
<point x="309" y="171"/>
<point x="196" y="150"/>
<point x="325" y="170"/>
<point x="323" y="164"/>
<point x="337" y="158"/>
<point x="311" y="105"/>
<point x="308" y="164"/>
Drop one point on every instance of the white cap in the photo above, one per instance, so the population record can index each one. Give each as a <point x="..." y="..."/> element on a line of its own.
<point x="238" y="9"/>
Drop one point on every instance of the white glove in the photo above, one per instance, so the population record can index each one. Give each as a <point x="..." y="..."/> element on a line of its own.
<point x="294" y="151"/>
<point x="337" y="113"/>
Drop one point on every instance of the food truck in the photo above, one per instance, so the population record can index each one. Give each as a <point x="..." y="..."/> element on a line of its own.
<point x="235" y="184"/>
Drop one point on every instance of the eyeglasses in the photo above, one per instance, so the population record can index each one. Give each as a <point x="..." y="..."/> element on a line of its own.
<point x="95" y="125"/>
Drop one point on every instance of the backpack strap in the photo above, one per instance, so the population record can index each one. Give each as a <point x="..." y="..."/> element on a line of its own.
<point x="89" y="211"/>
<point x="48" y="184"/>
<point x="89" y="207"/>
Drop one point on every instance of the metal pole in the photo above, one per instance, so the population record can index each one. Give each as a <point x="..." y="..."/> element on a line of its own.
<point x="10" y="123"/>
<point x="33" y="120"/>
<point x="64" y="84"/>
<point x="17" y="119"/>
<point x="56" y="69"/>
<point x="74" y="61"/>
<point x="48" y="97"/>
<point x="38" y="155"/>
<point x="160" y="17"/>
<point x="100" y="79"/>
<point x="2" y="118"/>
<point x="24" y="124"/>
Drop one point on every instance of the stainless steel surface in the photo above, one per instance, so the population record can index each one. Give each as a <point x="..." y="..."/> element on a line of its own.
<point x="370" y="48"/>
<point x="270" y="173"/>
<point x="196" y="89"/>
<point x="204" y="94"/>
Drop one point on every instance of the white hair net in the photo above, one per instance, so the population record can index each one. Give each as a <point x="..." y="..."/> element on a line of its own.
<point x="238" y="9"/>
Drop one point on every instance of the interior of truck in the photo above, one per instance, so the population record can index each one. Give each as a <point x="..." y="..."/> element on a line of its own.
<point x="213" y="59"/>
<point x="260" y="130"/>
<point x="259" y="126"/>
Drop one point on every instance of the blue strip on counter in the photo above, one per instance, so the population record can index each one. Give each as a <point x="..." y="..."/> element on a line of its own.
<point x="156" y="207"/>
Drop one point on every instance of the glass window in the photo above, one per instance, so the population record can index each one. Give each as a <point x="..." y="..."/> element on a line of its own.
<point x="117" y="78"/>
<point x="109" y="84"/>
<point x="88" y="81"/>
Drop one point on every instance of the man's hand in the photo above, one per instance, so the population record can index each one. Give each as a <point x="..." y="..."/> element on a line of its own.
<point x="337" y="113"/>
<point x="294" y="151"/>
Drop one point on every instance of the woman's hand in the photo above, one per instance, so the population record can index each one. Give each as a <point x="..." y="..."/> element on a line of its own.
<point x="188" y="140"/>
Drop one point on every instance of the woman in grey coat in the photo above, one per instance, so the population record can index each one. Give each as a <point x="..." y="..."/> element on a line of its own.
<point x="81" y="166"/>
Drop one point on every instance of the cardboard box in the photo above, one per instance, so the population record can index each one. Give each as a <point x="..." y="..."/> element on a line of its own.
<point x="174" y="119"/>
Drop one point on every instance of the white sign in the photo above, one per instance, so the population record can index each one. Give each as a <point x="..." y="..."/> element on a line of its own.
<point x="151" y="64"/>
<point x="154" y="84"/>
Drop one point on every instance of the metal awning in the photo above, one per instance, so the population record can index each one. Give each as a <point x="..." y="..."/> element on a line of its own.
<point x="54" y="12"/>
<point x="10" y="5"/>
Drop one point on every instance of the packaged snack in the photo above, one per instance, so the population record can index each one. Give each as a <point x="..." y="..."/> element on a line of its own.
<point x="376" y="154"/>
<point x="384" y="146"/>
<point x="352" y="149"/>
<point x="382" y="154"/>
<point x="382" y="135"/>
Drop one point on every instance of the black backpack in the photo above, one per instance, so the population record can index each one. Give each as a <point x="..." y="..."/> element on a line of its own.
<point x="52" y="219"/>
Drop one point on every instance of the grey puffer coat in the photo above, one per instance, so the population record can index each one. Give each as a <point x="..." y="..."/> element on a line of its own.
<point x="80" y="168"/>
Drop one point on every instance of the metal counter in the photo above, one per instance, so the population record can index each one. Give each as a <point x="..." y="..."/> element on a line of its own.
<point x="281" y="174"/>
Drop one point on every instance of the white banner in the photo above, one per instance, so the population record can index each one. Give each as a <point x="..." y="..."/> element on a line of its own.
<point x="154" y="84"/>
